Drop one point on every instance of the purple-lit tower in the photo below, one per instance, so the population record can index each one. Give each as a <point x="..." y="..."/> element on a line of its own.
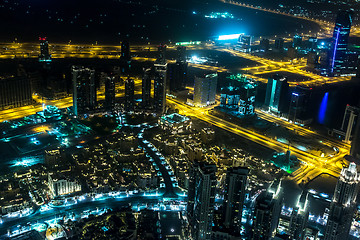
<point x="339" y="43"/>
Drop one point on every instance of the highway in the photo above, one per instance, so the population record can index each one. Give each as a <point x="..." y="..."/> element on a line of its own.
<point x="313" y="165"/>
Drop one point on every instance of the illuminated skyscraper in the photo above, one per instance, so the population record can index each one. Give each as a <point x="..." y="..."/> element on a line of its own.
<point x="129" y="94"/>
<point x="160" y="87"/>
<point x="343" y="204"/>
<point x="44" y="50"/>
<point x="205" y="90"/>
<point x="110" y="93"/>
<point x="146" y="88"/>
<point x="267" y="212"/>
<point x="276" y="98"/>
<point x="339" y="42"/>
<point x="235" y="186"/>
<point x="201" y="199"/>
<point x="299" y="218"/>
<point x="84" y="90"/>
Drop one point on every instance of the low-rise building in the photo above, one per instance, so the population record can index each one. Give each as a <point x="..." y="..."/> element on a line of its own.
<point x="62" y="185"/>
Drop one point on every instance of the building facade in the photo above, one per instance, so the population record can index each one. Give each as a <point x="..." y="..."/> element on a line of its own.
<point x="201" y="200"/>
<point x="60" y="185"/>
<point x="343" y="204"/>
<point x="15" y="92"/>
<point x="276" y="98"/>
<point x="205" y="90"/>
<point x="267" y="212"/>
<point x="84" y="89"/>
<point x="235" y="187"/>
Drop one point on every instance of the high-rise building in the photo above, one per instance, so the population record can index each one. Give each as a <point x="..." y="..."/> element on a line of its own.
<point x="265" y="44"/>
<point x="177" y="72"/>
<point x="84" y="89"/>
<point x="239" y="94"/>
<point x="312" y="59"/>
<point x="297" y="41"/>
<point x="162" y="54"/>
<point x="129" y="94"/>
<point x="205" y="90"/>
<point x="181" y="54"/>
<point x="176" y="76"/>
<point x="299" y="218"/>
<point x="110" y="93"/>
<point x="343" y="204"/>
<point x="244" y="43"/>
<point x="312" y="44"/>
<point x="235" y="186"/>
<point x="15" y="92"/>
<point x="125" y="51"/>
<point x="279" y="44"/>
<point x="201" y="199"/>
<point x="349" y="122"/>
<point x="339" y="43"/>
<point x="44" y="50"/>
<point x="146" y="87"/>
<point x="355" y="143"/>
<point x="276" y="98"/>
<point x="247" y="99"/>
<point x="300" y="104"/>
<point x="267" y="212"/>
<point x="160" y="87"/>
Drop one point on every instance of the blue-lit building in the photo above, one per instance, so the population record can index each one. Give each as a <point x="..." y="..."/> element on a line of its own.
<point x="244" y="43"/>
<point x="338" y="51"/>
<point x="276" y="99"/>
<point x="238" y="95"/>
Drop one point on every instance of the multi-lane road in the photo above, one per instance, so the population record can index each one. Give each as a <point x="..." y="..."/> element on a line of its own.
<point x="312" y="165"/>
